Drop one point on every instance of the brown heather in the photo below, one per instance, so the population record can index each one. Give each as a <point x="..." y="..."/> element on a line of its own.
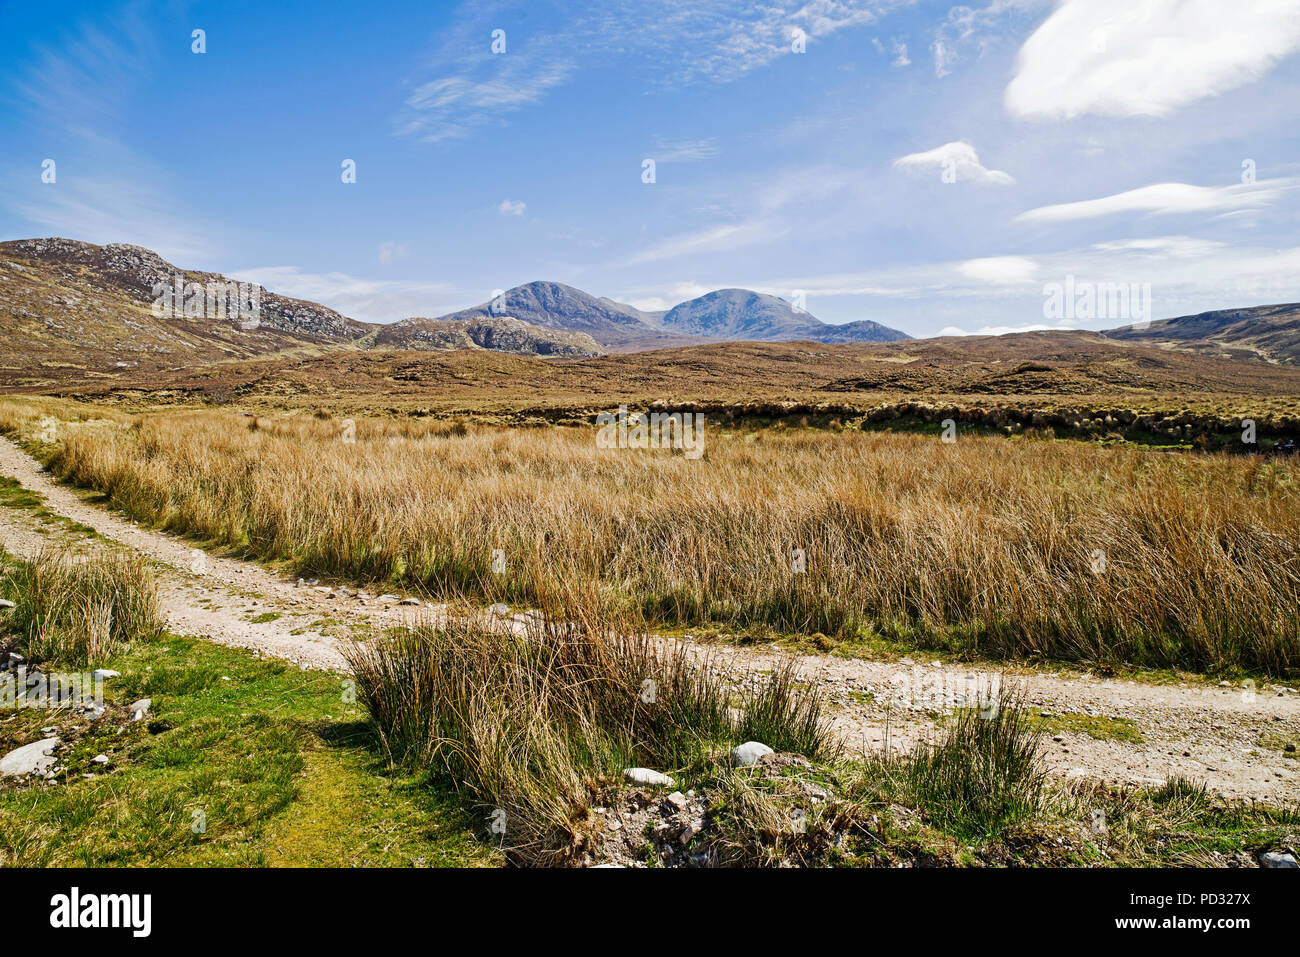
<point x="984" y="546"/>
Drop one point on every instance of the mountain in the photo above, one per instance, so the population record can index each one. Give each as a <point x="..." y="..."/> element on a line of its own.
<point x="727" y="314"/>
<point x="1268" y="332"/>
<point x="553" y="305"/>
<point x="741" y="314"/>
<point x="501" y="333"/>
<point x="74" y="308"/>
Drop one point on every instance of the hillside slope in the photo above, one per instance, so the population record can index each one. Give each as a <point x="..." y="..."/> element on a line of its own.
<point x="1269" y="332"/>
<point x="74" y="308"/>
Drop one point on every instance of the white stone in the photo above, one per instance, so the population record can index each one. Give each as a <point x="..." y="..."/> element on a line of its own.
<point x="140" y="708"/>
<point x="103" y="674"/>
<point x="499" y="610"/>
<point x="647" y="778"/>
<point x="34" y="758"/>
<point x="749" y="753"/>
<point x="100" y="759"/>
<point x="1278" y="859"/>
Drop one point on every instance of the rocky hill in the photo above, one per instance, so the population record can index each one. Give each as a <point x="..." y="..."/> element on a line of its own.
<point x="553" y="305"/>
<point x="501" y="333"/>
<point x="74" y="308"/>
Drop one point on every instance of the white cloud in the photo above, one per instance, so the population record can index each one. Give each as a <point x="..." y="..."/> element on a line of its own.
<point x="391" y="252"/>
<point x="1165" y="199"/>
<point x="1000" y="270"/>
<point x="512" y="207"/>
<point x="1185" y="275"/>
<point x="900" y="54"/>
<point x="1147" y="57"/>
<point x="998" y="330"/>
<point x="370" y="300"/>
<point x="1180" y="246"/>
<point x="959" y="157"/>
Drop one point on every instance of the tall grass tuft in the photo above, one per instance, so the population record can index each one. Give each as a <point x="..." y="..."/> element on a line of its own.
<point x="985" y="773"/>
<point x="534" y="727"/>
<point x="79" y="611"/>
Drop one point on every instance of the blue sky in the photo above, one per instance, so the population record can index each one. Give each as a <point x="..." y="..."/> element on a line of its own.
<point x="926" y="165"/>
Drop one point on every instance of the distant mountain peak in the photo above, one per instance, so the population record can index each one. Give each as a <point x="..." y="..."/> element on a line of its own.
<point x="723" y="314"/>
<point x="748" y="315"/>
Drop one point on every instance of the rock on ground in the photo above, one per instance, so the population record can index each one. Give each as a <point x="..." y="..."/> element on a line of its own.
<point x="749" y="753"/>
<point x="34" y="758"/>
<point x="647" y="778"/>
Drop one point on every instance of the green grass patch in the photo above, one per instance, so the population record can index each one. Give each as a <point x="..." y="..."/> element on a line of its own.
<point x="240" y="762"/>
<point x="1095" y="726"/>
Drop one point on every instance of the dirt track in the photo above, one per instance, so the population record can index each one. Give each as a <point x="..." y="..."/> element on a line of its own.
<point x="1231" y="738"/>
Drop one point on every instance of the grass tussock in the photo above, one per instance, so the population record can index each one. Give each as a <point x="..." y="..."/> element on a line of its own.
<point x="984" y="774"/>
<point x="987" y="546"/>
<point x="79" y="611"/>
<point x="534" y="728"/>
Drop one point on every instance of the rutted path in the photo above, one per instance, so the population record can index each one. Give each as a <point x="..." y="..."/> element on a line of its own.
<point x="1233" y="738"/>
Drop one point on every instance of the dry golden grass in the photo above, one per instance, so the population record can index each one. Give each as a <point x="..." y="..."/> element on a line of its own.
<point x="79" y="612"/>
<point x="536" y="726"/>
<point x="1004" y="547"/>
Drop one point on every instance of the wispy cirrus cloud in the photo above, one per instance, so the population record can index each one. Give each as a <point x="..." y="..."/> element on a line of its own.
<point x="74" y="94"/>
<point x="685" y="151"/>
<point x="965" y="29"/>
<point x="704" y="40"/>
<point x="1164" y="199"/>
<point x="108" y="210"/>
<point x="709" y="240"/>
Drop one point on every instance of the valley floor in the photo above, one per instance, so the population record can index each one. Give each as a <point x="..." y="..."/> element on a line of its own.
<point x="1233" y="736"/>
